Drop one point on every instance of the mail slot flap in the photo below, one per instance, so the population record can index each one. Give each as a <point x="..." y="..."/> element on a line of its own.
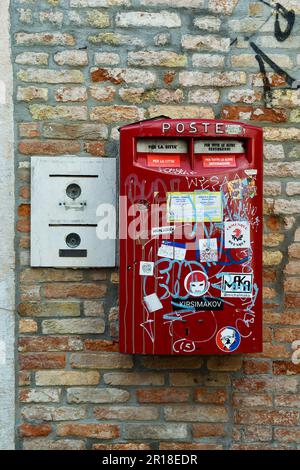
<point x="218" y="146"/>
<point x="162" y="146"/>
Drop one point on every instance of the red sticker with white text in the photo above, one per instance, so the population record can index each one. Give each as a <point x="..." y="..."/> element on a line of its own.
<point x="172" y="161"/>
<point x="217" y="161"/>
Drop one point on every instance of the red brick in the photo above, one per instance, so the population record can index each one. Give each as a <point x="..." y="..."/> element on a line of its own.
<point x="95" y="148"/>
<point x="101" y="360"/>
<point x="29" y="129"/>
<point x="24" y="241"/>
<point x="103" y="75"/>
<point x="269" y="275"/>
<point x="208" y="430"/>
<point x="127" y="413"/>
<point x="267" y="384"/>
<point x="168" y="362"/>
<point x="224" y="363"/>
<point x="292" y="284"/>
<point x="98" y="431"/>
<point x="252" y="366"/>
<point x="49" y="343"/>
<point x="246" y="400"/>
<point x="294" y="250"/>
<point x="24" y="378"/>
<point x="24" y="192"/>
<point x="30" y="293"/>
<point x="273" y="417"/>
<point x="290" y="400"/>
<point x="254" y="433"/>
<point x="203" y="395"/>
<point x="122" y="446"/>
<point x="255" y="113"/>
<point x="169" y="77"/>
<point x="257" y="446"/>
<point x="273" y="351"/>
<point x="86" y="291"/>
<point x="48" y="147"/>
<point x="189" y="446"/>
<point x="286" y="334"/>
<point x="274" y="223"/>
<point x="162" y="395"/>
<point x="24" y="210"/>
<point x="285" y="368"/>
<point x="23" y="225"/>
<point x="289" y="318"/>
<point x="292" y="301"/>
<point x="34" y="430"/>
<point x="287" y="435"/>
<point x="42" y="361"/>
<point x="49" y="274"/>
<point x="101" y="345"/>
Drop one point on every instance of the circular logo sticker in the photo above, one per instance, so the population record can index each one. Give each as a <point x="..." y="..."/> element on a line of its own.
<point x="196" y="283"/>
<point x="228" y="339"/>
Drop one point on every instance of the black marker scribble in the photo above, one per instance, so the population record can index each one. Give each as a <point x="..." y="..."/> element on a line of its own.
<point x="289" y="16"/>
<point x="281" y="34"/>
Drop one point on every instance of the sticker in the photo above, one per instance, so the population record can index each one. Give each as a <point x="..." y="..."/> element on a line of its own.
<point x="152" y="303"/>
<point x="219" y="162"/>
<point x="228" y="339"/>
<point x="162" y="146"/>
<point x="208" y="250"/>
<point x="196" y="283"/>
<point x="218" y="146"/>
<point x="235" y="189"/>
<point x="237" y="234"/>
<point x="206" y="303"/>
<point x="162" y="230"/>
<point x="236" y="285"/>
<point x="198" y="206"/>
<point x="242" y="188"/>
<point x="232" y="129"/>
<point x="251" y="172"/>
<point x="172" y="250"/>
<point x="146" y="268"/>
<point x="163" y="161"/>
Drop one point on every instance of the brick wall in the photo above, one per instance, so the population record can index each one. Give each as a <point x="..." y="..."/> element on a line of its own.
<point x="83" y="68"/>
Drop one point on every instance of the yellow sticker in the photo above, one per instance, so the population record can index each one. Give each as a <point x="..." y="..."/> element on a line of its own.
<point x="197" y="206"/>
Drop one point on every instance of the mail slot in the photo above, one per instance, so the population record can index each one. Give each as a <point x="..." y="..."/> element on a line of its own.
<point x="190" y="237"/>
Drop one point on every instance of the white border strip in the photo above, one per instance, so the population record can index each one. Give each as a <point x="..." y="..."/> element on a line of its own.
<point x="7" y="255"/>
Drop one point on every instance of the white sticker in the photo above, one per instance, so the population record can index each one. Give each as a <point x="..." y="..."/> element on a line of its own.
<point x="162" y="146"/>
<point x="251" y="172"/>
<point x="152" y="303"/>
<point x="236" y="285"/>
<point x="237" y="234"/>
<point x="162" y="230"/>
<point x="218" y="146"/>
<point x="232" y="129"/>
<point x="146" y="268"/>
<point x="172" y="250"/>
<point x="196" y="283"/>
<point x="208" y="250"/>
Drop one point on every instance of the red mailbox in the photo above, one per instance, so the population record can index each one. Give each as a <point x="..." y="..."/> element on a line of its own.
<point x="190" y="237"/>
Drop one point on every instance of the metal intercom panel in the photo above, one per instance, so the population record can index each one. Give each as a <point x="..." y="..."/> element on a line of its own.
<point x="70" y="196"/>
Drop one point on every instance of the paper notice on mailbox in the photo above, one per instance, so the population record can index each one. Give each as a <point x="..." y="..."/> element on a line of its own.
<point x="198" y="206"/>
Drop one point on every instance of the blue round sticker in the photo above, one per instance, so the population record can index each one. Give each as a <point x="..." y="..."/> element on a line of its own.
<point x="228" y="339"/>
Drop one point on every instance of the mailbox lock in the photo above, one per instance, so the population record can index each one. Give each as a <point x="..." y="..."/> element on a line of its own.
<point x="73" y="240"/>
<point x="73" y="191"/>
